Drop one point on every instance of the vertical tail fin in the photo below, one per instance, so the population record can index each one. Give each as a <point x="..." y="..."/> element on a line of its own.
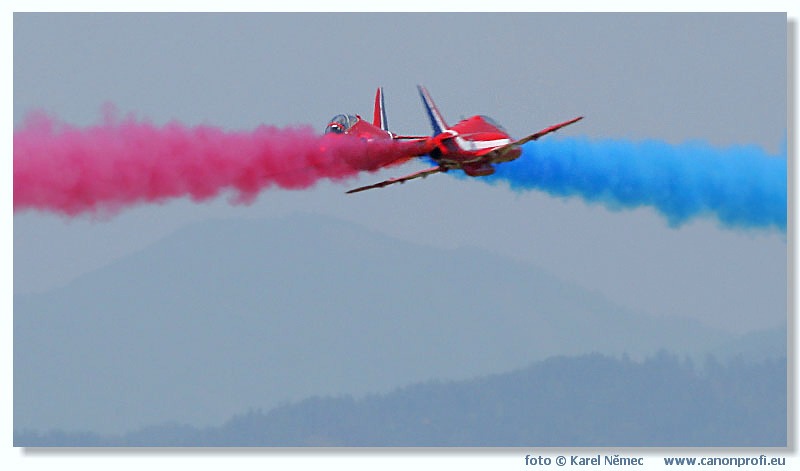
<point x="379" y="114"/>
<point x="438" y="123"/>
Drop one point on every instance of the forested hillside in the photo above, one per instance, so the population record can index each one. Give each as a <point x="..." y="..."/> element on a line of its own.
<point x="590" y="400"/>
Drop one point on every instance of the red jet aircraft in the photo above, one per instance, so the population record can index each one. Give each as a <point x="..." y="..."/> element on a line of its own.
<point x="377" y="132"/>
<point x="474" y="145"/>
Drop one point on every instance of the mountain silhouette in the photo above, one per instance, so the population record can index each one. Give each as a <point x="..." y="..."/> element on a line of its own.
<point x="588" y="400"/>
<point x="228" y="315"/>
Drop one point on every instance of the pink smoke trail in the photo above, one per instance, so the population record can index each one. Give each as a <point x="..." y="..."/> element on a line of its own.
<point x="104" y="168"/>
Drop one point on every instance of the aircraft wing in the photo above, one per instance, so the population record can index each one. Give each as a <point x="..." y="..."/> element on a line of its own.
<point x="544" y="131"/>
<point x="391" y="181"/>
<point x="497" y="154"/>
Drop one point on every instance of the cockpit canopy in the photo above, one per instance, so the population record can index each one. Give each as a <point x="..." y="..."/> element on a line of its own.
<point x="340" y="123"/>
<point x="493" y="122"/>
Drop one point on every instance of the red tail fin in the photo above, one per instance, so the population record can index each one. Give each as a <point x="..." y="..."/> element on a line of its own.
<point x="379" y="115"/>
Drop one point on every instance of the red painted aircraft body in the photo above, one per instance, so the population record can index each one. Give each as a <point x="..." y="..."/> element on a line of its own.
<point x="474" y="145"/>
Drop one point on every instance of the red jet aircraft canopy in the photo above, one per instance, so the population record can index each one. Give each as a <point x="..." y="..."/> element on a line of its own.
<point x="493" y="122"/>
<point x="340" y="123"/>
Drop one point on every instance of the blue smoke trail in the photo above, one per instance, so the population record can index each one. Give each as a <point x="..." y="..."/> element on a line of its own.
<point x="742" y="186"/>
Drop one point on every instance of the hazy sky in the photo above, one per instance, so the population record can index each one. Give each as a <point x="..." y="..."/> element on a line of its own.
<point x="674" y="77"/>
<point x="720" y="78"/>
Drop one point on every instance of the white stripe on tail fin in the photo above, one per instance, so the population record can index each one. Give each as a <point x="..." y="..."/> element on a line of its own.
<point x="379" y="114"/>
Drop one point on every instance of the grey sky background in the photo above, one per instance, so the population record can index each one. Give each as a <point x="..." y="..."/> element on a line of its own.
<point x="674" y="77"/>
